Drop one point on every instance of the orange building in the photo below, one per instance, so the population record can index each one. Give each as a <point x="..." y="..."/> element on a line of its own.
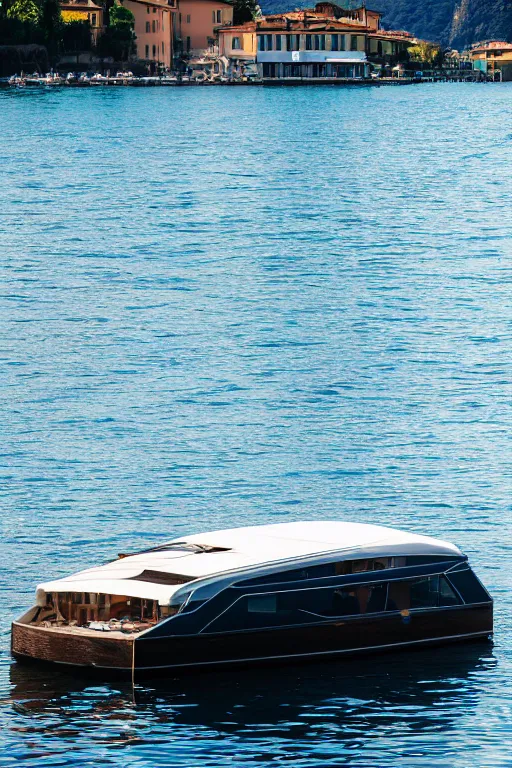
<point x="198" y="23"/>
<point x="154" y="29"/>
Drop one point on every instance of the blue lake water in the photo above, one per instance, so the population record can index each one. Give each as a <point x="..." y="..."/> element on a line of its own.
<point x="233" y="306"/>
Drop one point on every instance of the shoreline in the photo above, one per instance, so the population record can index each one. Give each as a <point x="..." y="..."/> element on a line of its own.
<point x="148" y="82"/>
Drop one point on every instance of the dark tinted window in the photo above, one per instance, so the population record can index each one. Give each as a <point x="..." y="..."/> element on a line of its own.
<point x="466" y="583"/>
<point x="262" y="604"/>
<point x="424" y="592"/>
<point x="326" y="570"/>
<point x="428" y="592"/>
<point x="346" y="568"/>
<point x="427" y="559"/>
<point x="300" y="607"/>
<point x="447" y="596"/>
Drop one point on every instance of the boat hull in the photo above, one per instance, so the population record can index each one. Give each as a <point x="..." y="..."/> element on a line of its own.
<point x="338" y="638"/>
<point x="76" y="648"/>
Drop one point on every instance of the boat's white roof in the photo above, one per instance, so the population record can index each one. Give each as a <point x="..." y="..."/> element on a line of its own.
<point x="262" y="548"/>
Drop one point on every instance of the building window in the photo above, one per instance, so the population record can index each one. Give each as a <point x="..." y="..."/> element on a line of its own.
<point x="278" y="42"/>
<point x="309" y="43"/>
<point x="147" y="9"/>
<point x="163" y="49"/>
<point x="147" y="51"/>
<point x="353" y="43"/>
<point x="269" y="42"/>
<point x="342" y="43"/>
<point x="148" y="26"/>
<point x="261" y="42"/>
<point x="334" y="43"/>
<point x="213" y="17"/>
<point x="154" y="51"/>
<point x="219" y="17"/>
<point x="188" y="43"/>
<point x="235" y="45"/>
<point x="188" y="18"/>
<point x="154" y="10"/>
<point x="292" y="42"/>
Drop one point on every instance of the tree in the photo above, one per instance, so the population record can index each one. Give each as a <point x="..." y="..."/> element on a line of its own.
<point x="427" y="53"/>
<point x="24" y="10"/>
<point x="121" y="17"/>
<point x="50" y="21"/>
<point x="118" y="40"/>
<point x="76" y="36"/>
<point x="245" y="10"/>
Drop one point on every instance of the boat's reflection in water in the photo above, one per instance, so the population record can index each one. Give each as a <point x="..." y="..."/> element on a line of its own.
<point x="424" y="690"/>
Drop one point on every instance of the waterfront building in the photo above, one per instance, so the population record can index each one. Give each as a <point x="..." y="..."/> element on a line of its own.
<point x="83" y="10"/>
<point x="153" y="29"/>
<point x="198" y="23"/>
<point x="327" y="41"/>
<point x="386" y="46"/>
<point x="493" y="58"/>
<point x="237" y="45"/>
<point x="322" y="42"/>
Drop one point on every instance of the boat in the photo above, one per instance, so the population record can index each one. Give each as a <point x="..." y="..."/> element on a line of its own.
<point x="286" y="591"/>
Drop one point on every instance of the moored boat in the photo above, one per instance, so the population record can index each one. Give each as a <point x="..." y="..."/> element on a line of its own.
<point x="273" y="592"/>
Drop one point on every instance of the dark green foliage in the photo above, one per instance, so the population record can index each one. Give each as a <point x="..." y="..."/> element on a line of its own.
<point x="117" y="43"/>
<point x="26" y="58"/>
<point x="19" y="23"/>
<point x="76" y="36"/>
<point x="118" y="40"/>
<point x="50" y="22"/>
<point x="244" y="10"/>
<point x="456" y="23"/>
<point x="24" y="10"/>
<point x="121" y="17"/>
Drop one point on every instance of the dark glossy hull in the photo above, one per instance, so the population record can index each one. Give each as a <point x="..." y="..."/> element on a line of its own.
<point x="365" y="634"/>
<point x="350" y="636"/>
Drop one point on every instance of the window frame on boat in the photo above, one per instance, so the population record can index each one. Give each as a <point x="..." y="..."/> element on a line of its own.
<point x="209" y="627"/>
<point x="345" y="567"/>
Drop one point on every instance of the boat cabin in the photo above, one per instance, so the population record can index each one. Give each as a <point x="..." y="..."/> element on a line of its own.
<point x="276" y="591"/>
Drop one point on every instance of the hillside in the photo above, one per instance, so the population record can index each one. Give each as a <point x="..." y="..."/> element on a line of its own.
<point x="457" y="23"/>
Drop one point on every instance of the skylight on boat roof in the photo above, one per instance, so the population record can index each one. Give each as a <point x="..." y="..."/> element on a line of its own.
<point x="160" y="577"/>
<point x="179" y="546"/>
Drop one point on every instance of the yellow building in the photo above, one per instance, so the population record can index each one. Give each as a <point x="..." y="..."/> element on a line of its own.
<point x="153" y="29"/>
<point x="238" y="46"/>
<point x="83" y="10"/>
<point x="494" y="59"/>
